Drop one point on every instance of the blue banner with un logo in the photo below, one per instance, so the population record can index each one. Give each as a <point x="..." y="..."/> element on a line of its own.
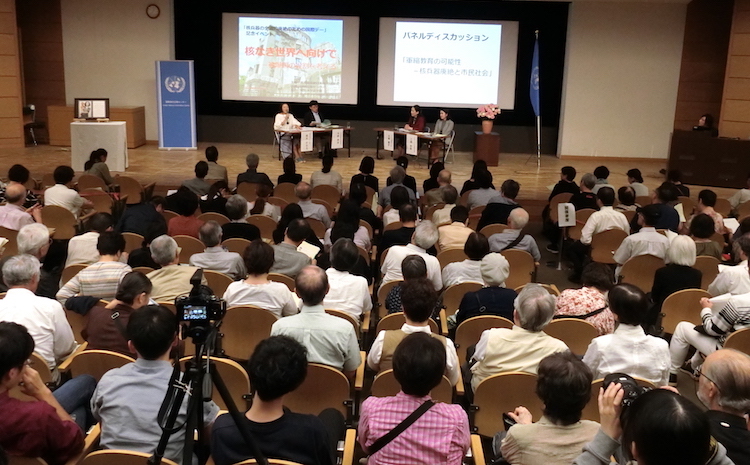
<point x="534" y="84"/>
<point x="176" y="104"/>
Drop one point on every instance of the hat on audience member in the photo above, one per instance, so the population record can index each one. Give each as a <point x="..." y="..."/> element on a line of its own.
<point x="495" y="269"/>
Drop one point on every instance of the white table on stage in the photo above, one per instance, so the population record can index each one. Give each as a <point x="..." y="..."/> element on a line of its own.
<point x="87" y="137"/>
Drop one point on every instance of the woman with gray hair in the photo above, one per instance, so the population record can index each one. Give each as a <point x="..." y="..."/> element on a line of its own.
<point x="237" y="227"/>
<point x="425" y="236"/>
<point x="494" y="298"/>
<point x="677" y="275"/>
<point x="501" y="350"/>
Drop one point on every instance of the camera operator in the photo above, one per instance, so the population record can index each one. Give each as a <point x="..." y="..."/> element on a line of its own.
<point x="127" y="400"/>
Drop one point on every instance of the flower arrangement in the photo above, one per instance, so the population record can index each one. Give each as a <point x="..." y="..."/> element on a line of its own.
<point x="489" y="111"/>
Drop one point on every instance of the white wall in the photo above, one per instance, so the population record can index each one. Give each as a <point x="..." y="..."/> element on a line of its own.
<point x="621" y="77"/>
<point x="110" y="47"/>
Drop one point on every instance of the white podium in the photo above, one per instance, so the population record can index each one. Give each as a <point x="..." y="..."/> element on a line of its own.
<point x="87" y="137"/>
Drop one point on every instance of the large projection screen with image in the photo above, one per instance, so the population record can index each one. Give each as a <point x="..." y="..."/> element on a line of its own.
<point x="285" y="58"/>
<point x="447" y="63"/>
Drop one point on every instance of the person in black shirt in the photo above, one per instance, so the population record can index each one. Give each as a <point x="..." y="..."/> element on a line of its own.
<point x="499" y="207"/>
<point x="216" y="199"/>
<point x="402" y="236"/>
<point x="252" y="175"/>
<point x="409" y="181"/>
<point x="137" y="218"/>
<point x="290" y="172"/>
<point x="236" y="208"/>
<point x="566" y="184"/>
<point x="432" y="181"/>
<point x="675" y="177"/>
<point x="366" y="168"/>
<point x="706" y="123"/>
<point x="665" y="197"/>
<point x="358" y="193"/>
<point x="585" y="198"/>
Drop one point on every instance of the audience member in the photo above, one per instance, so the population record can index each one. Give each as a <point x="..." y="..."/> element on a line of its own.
<point x="513" y="237"/>
<point x="348" y="292"/>
<point x="138" y="218"/>
<point x="736" y="254"/>
<point x="475" y="248"/>
<point x="501" y="350"/>
<point x="402" y="236"/>
<point x="261" y="205"/>
<point x="733" y="279"/>
<point x="19" y="174"/>
<point x="216" y="172"/>
<point x="216" y="199"/>
<point x="473" y="183"/>
<point x="564" y="386"/>
<point x="187" y="223"/>
<point x="62" y="195"/>
<point x="646" y="241"/>
<point x="629" y="349"/>
<point x="501" y="205"/>
<point x="13" y="215"/>
<point x="366" y="168"/>
<point x="397" y="177"/>
<point x="585" y="198"/>
<point x="601" y="173"/>
<point x="216" y="257"/>
<point x="702" y="231"/>
<point x="237" y="227"/>
<point x="329" y="340"/>
<point x="101" y="278"/>
<point x="290" y="174"/>
<point x="449" y="196"/>
<point x="425" y="235"/>
<point x="142" y="256"/>
<point x="127" y="400"/>
<point x="590" y="301"/>
<point x="705" y="206"/>
<point x="97" y="166"/>
<point x="82" y="248"/>
<point x="432" y="182"/>
<point x="566" y="182"/>
<point x="327" y="176"/>
<point x="495" y="298"/>
<point x="293" y="212"/>
<point x="408" y="181"/>
<point x="172" y="279"/>
<point x="399" y="198"/>
<point x="252" y="174"/>
<point x="287" y="260"/>
<point x="678" y="274"/>
<point x="675" y="177"/>
<point x="413" y="267"/>
<point x="484" y="193"/>
<point x="303" y="191"/>
<point x="442" y="435"/>
<point x="347" y="225"/>
<point x="34" y="239"/>
<point x="44" y="427"/>
<point x="434" y="195"/>
<point x="44" y="318"/>
<point x="741" y="196"/>
<point x="358" y="193"/>
<point x="278" y="366"/>
<point x="198" y="184"/>
<point x="626" y="199"/>
<point x="418" y="300"/>
<point x="664" y="197"/>
<point x="256" y="289"/>
<point x="453" y="236"/>
<point x="635" y="179"/>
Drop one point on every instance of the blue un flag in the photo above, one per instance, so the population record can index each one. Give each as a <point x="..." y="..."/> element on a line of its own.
<point x="534" y="85"/>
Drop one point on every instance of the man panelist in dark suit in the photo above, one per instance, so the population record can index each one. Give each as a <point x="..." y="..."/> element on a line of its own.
<point x="313" y="118"/>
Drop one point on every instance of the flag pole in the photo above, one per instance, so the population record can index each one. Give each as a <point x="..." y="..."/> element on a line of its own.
<point x="538" y="124"/>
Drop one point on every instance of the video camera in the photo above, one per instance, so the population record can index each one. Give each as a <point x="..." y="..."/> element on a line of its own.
<point x="199" y="308"/>
<point x="630" y="387"/>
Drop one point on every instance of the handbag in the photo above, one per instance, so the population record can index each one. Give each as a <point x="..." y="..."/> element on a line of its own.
<point x="398" y="429"/>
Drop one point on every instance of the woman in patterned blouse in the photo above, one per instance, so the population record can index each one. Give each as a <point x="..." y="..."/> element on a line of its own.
<point x="590" y="302"/>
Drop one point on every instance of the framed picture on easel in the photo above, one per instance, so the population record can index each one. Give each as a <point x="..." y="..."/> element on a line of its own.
<point x="91" y="108"/>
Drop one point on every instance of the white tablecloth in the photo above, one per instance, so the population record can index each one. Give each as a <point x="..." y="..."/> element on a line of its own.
<point x="87" y="137"/>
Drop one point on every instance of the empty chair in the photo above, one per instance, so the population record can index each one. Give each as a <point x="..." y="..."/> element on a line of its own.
<point x="469" y="332"/>
<point x="687" y="205"/>
<point x="517" y="388"/>
<point x="640" y="271"/>
<point x="684" y="305"/>
<point x="188" y="247"/>
<point x="248" y="190"/>
<point x="385" y="385"/>
<point x="89" y="181"/>
<point x="134" y="190"/>
<point x="101" y="200"/>
<point x="604" y="245"/>
<point x="243" y="328"/>
<point x="723" y="207"/>
<point x="643" y="200"/>
<point x="562" y="197"/>
<point x="285" y="190"/>
<point x="574" y="332"/>
<point x="11" y="248"/>
<point x="317" y="226"/>
<point x="522" y="267"/>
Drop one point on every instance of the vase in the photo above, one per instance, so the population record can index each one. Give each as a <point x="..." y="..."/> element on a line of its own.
<point x="487" y="126"/>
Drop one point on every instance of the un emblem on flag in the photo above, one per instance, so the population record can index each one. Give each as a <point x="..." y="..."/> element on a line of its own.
<point x="535" y="78"/>
<point x="174" y="84"/>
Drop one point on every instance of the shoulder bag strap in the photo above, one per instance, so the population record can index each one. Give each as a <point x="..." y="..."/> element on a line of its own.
<point x="515" y="241"/>
<point x="582" y="317"/>
<point x="392" y="434"/>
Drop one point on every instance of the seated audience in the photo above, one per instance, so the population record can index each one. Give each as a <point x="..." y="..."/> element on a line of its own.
<point x="327" y="176"/>
<point x="172" y="279"/>
<point x="105" y="325"/>
<point x="47" y="427"/>
<point x="660" y="427"/>
<point x="142" y="256"/>
<point x="495" y="298"/>
<point x="678" y="274"/>
<point x="401" y="236"/>
<point x="675" y="177"/>
<point x="473" y="182"/>
<point x="449" y="196"/>
<point x="501" y="350"/>
<point x="127" y="400"/>
<point x="644" y="242"/>
<point x="82" y="248"/>
<point x="741" y="196"/>
<point x="138" y="218"/>
<point x="413" y="267"/>
<point x="19" y="174"/>
<point x="442" y="435"/>
<point x="216" y="172"/>
<point x="287" y="260"/>
<point x="702" y="231"/>
<point x="44" y="318"/>
<point x="62" y="195"/>
<point x="425" y="235"/>
<point x="484" y="193"/>
<point x="705" y="206"/>
<point x="348" y="292"/>
<point x="216" y="257"/>
<point x="453" y="236"/>
<point x="303" y="191"/>
<point x="237" y="227"/>
<point x="399" y="198"/>
<point x="13" y="215"/>
<point x="397" y="177"/>
<point x="329" y="340"/>
<point x="198" y="184"/>
<point x="216" y="199"/>
<point x="101" y="278"/>
<point x="590" y="301"/>
<point x="252" y="175"/>
<point x="476" y="247"/>
<point x="664" y="197"/>
<point x="601" y="173"/>
<point x="566" y="182"/>
<point x="724" y="388"/>
<point x="585" y="198"/>
<point x="736" y="254"/>
<point x="733" y="279"/>
<point x="278" y="366"/>
<point x="513" y="236"/>
<point x="629" y="349"/>
<point x="434" y="195"/>
<point x="97" y="166"/>
<point x="362" y="267"/>
<point x="408" y="181"/>
<point x="34" y="240"/>
<point x="708" y="337"/>
<point x="432" y="182"/>
<point x="635" y="179"/>
<point x="256" y="289"/>
<point x="366" y="168"/>
<point x="626" y="199"/>
<point x="290" y="174"/>
<point x="187" y="223"/>
<point x="261" y="205"/>
<point x="501" y="205"/>
<point x="418" y="300"/>
<point x="293" y="212"/>
<point x="564" y="386"/>
<point x="358" y="194"/>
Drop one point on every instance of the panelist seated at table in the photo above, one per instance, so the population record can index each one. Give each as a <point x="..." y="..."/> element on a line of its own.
<point x="444" y="125"/>
<point x="416" y="122"/>
<point x="285" y="121"/>
<point x="314" y="118"/>
<point x="706" y="123"/>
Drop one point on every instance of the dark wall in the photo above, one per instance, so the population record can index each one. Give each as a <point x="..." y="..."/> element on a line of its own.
<point x="198" y="38"/>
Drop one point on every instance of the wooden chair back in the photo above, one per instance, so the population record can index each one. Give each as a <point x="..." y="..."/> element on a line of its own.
<point x="368" y="227"/>
<point x="370" y="194"/>
<point x="604" y="245"/>
<point x="551" y="288"/>
<point x="563" y="197"/>
<point x="285" y="191"/>
<point x="213" y="216"/>
<point x="101" y="199"/>
<point x="89" y="181"/>
<point x="582" y="216"/>
<point x="397" y="320"/>
<point x="386" y="385"/>
<point x="447" y="256"/>
<point x="522" y="267"/>
<point x="132" y="188"/>
<point x="143" y="269"/>
<point x="491" y="229"/>
<point x="217" y="281"/>
<point x="248" y="190"/>
<point x="324" y="387"/>
<point x="77" y="323"/>
<point x="168" y="215"/>
<point x="329" y="194"/>
<point x="723" y="207"/>
<point x="61" y="219"/>
<point x="684" y="305"/>
<point x="11" y="248"/>
<point x="96" y="362"/>
<point x="575" y="333"/>
<point x="469" y="332"/>
<point x="743" y="210"/>
<point x="243" y="328"/>
<point x="453" y="294"/>
<point x="317" y="226"/>
<point x="709" y="267"/>
<point x="17" y="460"/>
<point x="502" y="393"/>
<point x="643" y="200"/>
<point x="120" y="457"/>
<point x="236" y="244"/>
<point x="133" y="241"/>
<point x="630" y="214"/>
<point x="739" y="340"/>
<point x="266" y="224"/>
<point x="70" y="271"/>
<point x="431" y="210"/>
<point x="236" y="379"/>
<point x="48" y="180"/>
<point x="330" y="207"/>
<point x="464" y="199"/>
<point x="640" y="271"/>
<point x="393" y="226"/>
<point x="345" y="316"/>
<point x="189" y="246"/>
<point x="383" y="292"/>
<point x="45" y="374"/>
<point x="282" y="278"/>
<point x="279" y="202"/>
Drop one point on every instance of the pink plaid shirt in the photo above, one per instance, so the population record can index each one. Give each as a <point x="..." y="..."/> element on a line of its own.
<point x="440" y="436"/>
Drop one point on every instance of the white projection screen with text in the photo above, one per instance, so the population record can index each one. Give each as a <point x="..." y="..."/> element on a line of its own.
<point x="448" y="63"/>
<point x="285" y="58"/>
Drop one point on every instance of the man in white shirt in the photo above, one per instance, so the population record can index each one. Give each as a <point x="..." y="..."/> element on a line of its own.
<point x="303" y="191"/>
<point x="62" y="195"/>
<point x="646" y="241"/>
<point x="741" y="196"/>
<point x="82" y="249"/>
<point x="44" y="318"/>
<point x="453" y="236"/>
<point x="13" y="215"/>
<point x="216" y="257"/>
<point x="425" y="235"/>
<point x="348" y="293"/>
<point x="733" y="279"/>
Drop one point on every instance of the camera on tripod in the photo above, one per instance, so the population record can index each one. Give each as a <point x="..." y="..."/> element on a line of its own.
<point x="200" y="308"/>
